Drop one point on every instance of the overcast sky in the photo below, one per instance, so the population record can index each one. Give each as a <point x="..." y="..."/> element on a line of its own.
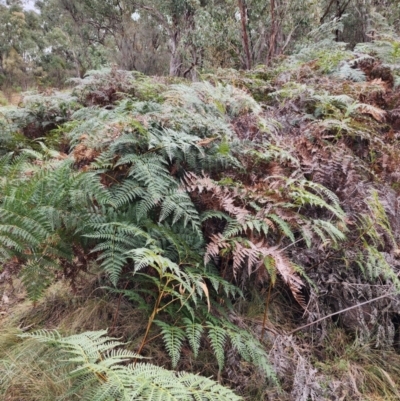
<point x="29" y="4"/>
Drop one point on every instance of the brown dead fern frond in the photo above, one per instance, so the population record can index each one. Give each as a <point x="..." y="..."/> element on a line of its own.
<point x="253" y="256"/>
<point x="374" y="111"/>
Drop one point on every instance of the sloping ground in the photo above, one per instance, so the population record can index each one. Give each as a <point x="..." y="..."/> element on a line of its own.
<point x="249" y="223"/>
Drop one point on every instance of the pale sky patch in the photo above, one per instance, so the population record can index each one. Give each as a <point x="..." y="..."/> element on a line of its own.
<point x="29" y="5"/>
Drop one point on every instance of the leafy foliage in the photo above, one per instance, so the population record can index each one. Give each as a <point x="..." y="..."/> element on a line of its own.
<point x="99" y="371"/>
<point x="194" y="197"/>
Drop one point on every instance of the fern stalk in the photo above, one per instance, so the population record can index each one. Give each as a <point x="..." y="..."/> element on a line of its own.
<point x="153" y="315"/>
<point x="266" y="311"/>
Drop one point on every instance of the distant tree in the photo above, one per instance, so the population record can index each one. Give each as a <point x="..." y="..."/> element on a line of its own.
<point x="21" y="41"/>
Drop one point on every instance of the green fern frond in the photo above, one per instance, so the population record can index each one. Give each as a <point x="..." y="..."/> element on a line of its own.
<point x="302" y="196"/>
<point x="36" y="275"/>
<point x="330" y="229"/>
<point x="219" y="284"/>
<point x="194" y="332"/>
<point x="180" y="244"/>
<point x="285" y="227"/>
<point x="217" y="336"/>
<point x="349" y="72"/>
<point x="233" y="229"/>
<point x="180" y="206"/>
<point x="374" y="264"/>
<point x="116" y="240"/>
<point x="99" y="371"/>
<point x="209" y="214"/>
<point x="251" y="350"/>
<point x="126" y="192"/>
<point x="144" y="257"/>
<point x="173" y="338"/>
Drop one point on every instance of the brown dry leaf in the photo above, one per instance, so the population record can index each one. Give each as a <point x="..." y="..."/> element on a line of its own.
<point x="377" y="81"/>
<point x="205" y="142"/>
<point x="205" y="289"/>
<point x="313" y="64"/>
<point x="5" y="300"/>
<point x="83" y="153"/>
<point x="286" y="271"/>
<point x="62" y="156"/>
<point x="377" y="113"/>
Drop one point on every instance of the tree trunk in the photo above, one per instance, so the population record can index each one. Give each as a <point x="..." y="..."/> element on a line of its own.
<point x="368" y="22"/>
<point x="174" y="38"/>
<point x="337" y="33"/>
<point x="245" y="38"/>
<point x="175" y="63"/>
<point x="273" y="34"/>
<point x="341" y="9"/>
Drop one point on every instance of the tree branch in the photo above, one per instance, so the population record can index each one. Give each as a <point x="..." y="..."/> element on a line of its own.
<point x="341" y="311"/>
<point x="326" y="12"/>
<point x="159" y="17"/>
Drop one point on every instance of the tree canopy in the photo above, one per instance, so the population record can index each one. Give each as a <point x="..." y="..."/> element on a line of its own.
<point x="67" y="38"/>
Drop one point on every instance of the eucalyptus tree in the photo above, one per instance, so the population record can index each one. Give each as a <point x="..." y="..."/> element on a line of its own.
<point x="361" y="17"/>
<point x="20" y="45"/>
<point x="176" y="37"/>
<point x="177" y="20"/>
<point x="107" y="32"/>
<point x="82" y="45"/>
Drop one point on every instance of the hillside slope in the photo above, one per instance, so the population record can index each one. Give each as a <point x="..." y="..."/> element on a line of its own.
<point x="244" y="227"/>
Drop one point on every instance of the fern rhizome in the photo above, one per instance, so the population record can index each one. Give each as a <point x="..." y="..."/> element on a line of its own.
<point x="195" y="201"/>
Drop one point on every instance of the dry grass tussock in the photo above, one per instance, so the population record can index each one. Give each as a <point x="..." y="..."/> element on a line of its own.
<point x="28" y="371"/>
<point x="90" y="307"/>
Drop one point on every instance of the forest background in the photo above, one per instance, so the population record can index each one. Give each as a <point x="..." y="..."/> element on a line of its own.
<point x="55" y="40"/>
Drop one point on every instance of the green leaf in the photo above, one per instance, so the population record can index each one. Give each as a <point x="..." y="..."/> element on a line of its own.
<point x="173" y="338"/>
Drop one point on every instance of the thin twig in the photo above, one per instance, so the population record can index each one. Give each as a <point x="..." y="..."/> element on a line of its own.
<point x="117" y="310"/>
<point x="266" y="311"/>
<point x="341" y="311"/>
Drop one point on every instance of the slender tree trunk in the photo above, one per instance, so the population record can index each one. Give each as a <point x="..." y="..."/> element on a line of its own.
<point x="273" y="33"/>
<point x="126" y="41"/>
<point x="341" y="9"/>
<point x="174" y="34"/>
<point x="338" y="16"/>
<point x="77" y="64"/>
<point x="368" y="22"/>
<point x="245" y="37"/>
<point x="175" y="62"/>
<point x="192" y="48"/>
<point x="326" y="11"/>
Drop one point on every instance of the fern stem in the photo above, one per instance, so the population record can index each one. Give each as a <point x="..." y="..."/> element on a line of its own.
<point x="266" y="311"/>
<point x="117" y="311"/>
<point x="167" y="304"/>
<point x="160" y="334"/>
<point x="151" y="318"/>
<point x="111" y="178"/>
<point x="149" y="324"/>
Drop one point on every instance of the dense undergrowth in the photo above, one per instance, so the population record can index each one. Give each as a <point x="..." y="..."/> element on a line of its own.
<point x="228" y="227"/>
